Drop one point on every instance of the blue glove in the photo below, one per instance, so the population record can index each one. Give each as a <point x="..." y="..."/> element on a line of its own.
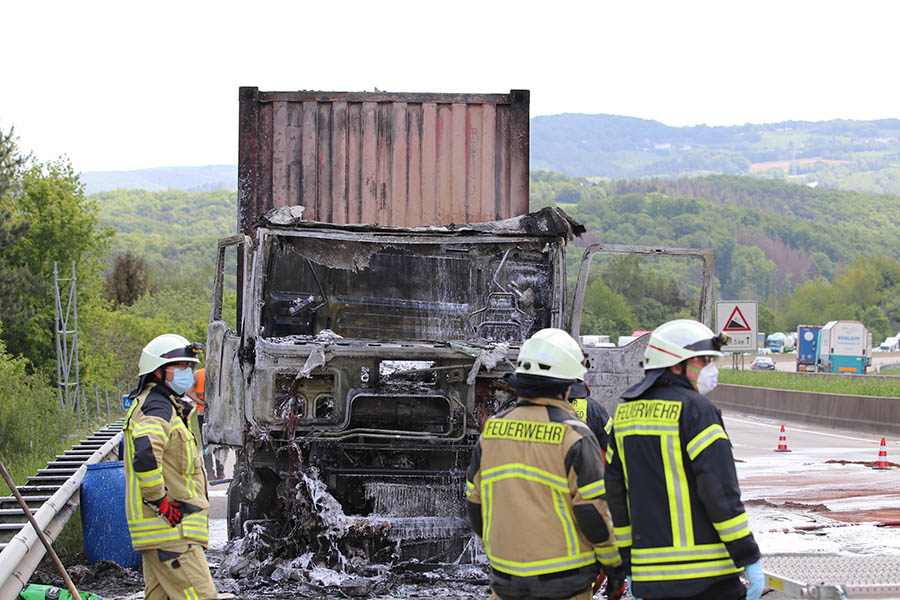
<point x="757" y="579"/>
<point x="631" y="590"/>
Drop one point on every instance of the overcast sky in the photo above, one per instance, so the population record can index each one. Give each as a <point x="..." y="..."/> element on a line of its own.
<point x="126" y="85"/>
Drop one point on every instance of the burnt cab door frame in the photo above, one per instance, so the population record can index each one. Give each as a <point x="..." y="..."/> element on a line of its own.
<point x="612" y="370"/>
<point x="224" y="392"/>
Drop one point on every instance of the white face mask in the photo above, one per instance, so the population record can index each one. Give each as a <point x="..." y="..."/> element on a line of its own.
<point x="708" y="379"/>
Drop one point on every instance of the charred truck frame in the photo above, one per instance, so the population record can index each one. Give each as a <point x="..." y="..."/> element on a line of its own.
<point x="365" y="359"/>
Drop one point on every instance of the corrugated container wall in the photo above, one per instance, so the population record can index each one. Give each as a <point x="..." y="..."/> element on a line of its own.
<point x="383" y="158"/>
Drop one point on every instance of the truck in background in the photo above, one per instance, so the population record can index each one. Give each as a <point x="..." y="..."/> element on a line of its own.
<point x="781" y="342"/>
<point x="775" y="342"/>
<point x="844" y="347"/>
<point x="760" y="340"/>
<point x="807" y="347"/>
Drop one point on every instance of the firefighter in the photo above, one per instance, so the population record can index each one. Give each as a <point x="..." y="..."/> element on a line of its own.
<point x="166" y="500"/>
<point x="197" y="394"/>
<point x="672" y="487"/>
<point x="591" y="412"/>
<point x="535" y="489"/>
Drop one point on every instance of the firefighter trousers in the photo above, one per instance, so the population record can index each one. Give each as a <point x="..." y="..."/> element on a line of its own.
<point x="177" y="575"/>
<point x="724" y="589"/>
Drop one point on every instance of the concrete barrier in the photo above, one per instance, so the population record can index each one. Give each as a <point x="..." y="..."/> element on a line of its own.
<point x="869" y="414"/>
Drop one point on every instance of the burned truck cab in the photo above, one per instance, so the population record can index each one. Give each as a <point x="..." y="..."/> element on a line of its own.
<point x="365" y="363"/>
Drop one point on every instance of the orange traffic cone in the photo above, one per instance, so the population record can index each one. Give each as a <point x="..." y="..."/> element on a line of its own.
<point x="882" y="458"/>
<point x="782" y="442"/>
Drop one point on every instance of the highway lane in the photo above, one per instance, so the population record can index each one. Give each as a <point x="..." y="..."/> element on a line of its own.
<point x="803" y="502"/>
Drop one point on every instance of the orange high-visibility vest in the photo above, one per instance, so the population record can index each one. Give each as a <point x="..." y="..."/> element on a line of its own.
<point x="198" y="389"/>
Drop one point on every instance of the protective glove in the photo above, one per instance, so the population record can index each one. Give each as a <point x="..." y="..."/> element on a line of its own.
<point x="168" y="510"/>
<point x="630" y="589"/>
<point x="615" y="582"/>
<point x="615" y="589"/>
<point x="757" y="579"/>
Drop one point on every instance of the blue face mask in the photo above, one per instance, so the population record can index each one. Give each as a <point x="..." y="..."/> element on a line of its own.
<point x="182" y="380"/>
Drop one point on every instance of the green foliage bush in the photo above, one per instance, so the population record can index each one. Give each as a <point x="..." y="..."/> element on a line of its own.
<point x="33" y="426"/>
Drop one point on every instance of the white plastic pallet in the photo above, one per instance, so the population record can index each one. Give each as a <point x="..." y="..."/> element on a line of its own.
<point x="833" y="576"/>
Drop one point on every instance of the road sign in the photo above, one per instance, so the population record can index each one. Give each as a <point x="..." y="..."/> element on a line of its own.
<point x="739" y="321"/>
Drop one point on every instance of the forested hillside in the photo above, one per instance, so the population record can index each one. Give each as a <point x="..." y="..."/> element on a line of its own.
<point x="852" y="155"/>
<point x="809" y="255"/>
<point x="173" y="231"/>
<point x="772" y="240"/>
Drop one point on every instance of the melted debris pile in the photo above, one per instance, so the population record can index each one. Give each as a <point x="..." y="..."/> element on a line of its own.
<point x="324" y="552"/>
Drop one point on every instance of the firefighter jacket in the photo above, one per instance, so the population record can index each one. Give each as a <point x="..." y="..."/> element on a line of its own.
<point x="673" y="490"/>
<point x="598" y="420"/>
<point x="162" y="458"/>
<point x="535" y="493"/>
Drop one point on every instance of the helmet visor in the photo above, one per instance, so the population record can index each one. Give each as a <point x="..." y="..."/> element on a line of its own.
<point x="190" y="351"/>
<point x="714" y="343"/>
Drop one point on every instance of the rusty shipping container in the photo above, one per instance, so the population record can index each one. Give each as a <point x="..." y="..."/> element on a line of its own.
<point x="400" y="159"/>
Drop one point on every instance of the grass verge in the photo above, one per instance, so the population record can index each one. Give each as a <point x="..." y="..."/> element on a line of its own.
<point x="825" y="384"/>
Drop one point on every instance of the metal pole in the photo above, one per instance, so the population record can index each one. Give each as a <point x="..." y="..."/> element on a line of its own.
<point x="97" y="399"/>
<point x="75" y="324"/>
<point x="108" y="414"/>
<point x="40" y="533"/>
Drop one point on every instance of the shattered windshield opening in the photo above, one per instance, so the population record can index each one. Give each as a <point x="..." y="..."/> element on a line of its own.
<point x="497" y="291"/>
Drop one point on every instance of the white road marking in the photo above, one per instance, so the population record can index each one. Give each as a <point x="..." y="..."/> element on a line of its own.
<point x="836" y="435"/>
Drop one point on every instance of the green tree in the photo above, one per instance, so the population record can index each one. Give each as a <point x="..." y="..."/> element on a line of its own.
<point x="63" y="227"/>
<point x="606" y="312"/>
<point x="765" y="320"/>
<point x="128" y="280"/>
<point x="12" y="161"/>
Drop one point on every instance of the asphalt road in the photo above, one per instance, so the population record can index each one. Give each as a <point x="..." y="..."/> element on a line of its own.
<point x="819" y="500"/>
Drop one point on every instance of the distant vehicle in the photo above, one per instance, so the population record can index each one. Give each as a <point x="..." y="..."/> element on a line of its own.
<point x="889" y="344"/>
<point x="807" y="346"/>
<point x="638" y="334"/>
<point x="762" y="363"/>
<point x="763" y="350"/>
<point x="790" y="342"/>
<point x="775" y="342"/>
<point x="760" y="339"/>
<point x="844" y="347"/>
<point x="596" y="341"/>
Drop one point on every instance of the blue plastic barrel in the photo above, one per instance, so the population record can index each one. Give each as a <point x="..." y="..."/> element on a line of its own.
<point x="103" y="522"/>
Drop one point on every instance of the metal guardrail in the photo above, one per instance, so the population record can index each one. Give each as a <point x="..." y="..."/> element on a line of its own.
<point x="52" y="496"/>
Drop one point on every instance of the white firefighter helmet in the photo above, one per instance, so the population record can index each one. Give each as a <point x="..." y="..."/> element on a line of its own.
<point x="551" y="353"/>
<point x="165" y="349"/>
<point x="679" y="340"/>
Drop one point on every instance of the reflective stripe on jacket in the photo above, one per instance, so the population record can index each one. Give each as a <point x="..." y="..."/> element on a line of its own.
<point x="673" y="491"/>
<point x="537" y="476"/>
<point x="162" y="459"/>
